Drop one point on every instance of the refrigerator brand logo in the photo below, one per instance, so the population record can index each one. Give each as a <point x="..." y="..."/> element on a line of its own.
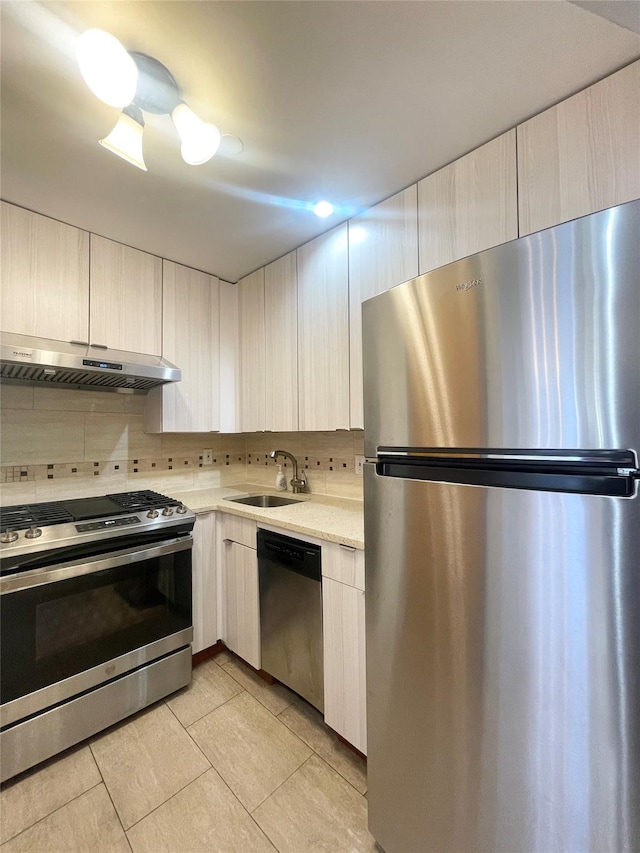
<point x="467" y="285"/>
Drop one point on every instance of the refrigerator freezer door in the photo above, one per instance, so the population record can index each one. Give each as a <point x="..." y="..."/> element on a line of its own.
<point x="503" y="669"/>
<point x="533" y="344"/>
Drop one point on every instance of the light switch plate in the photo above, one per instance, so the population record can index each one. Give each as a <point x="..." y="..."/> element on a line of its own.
<point x="359" y="465"/>
<point x="207" y="457"/>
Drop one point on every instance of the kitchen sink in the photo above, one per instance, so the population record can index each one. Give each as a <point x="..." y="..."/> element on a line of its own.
<point x="265" y="501"/>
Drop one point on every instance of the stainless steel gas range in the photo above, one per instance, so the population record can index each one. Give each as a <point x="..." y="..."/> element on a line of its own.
<point x="95" y="617"/>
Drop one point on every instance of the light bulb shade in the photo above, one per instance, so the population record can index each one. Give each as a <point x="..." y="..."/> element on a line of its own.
<point x="107" y="68"/>
<point x="200" y="140"/>
<point x="125" y="139"/>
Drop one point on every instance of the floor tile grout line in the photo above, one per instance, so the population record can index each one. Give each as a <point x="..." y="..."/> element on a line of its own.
<point x="53" y="811"/>
<point x="104" y="782"/>
<point x="175" y="794"/>
<point x="319" y="754"/>
<point x="257" y="697"/>
<point x="308" y="758"/>
<point x="192" y="739"/>
<point x="222" y="704"/>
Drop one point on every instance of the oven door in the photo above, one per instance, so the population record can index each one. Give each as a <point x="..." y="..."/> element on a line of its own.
<point x="68" y="626"/>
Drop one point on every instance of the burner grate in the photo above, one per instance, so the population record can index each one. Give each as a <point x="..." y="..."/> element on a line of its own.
<point x="38" y="515"/>
<point x="142" y="500"/>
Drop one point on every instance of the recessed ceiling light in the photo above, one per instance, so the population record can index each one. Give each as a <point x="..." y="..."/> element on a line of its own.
<point x="323" y="208"/>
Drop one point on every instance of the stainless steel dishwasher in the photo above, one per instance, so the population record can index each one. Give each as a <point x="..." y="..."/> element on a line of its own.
<point x="291" y="613"/>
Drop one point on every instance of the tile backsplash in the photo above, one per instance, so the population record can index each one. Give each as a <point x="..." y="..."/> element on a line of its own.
<point x="60" y="443"/>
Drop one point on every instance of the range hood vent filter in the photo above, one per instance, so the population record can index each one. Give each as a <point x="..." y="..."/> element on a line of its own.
<point x="27" y="359"/>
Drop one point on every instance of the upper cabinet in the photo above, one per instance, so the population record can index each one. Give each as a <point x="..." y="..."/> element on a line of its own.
<point x="281" y="343"/>
<point x="582" y="155"/>
<point x="469" y="205"/>
<point x="323" y="332"/>
<point x="126" y="298"/>
<point x="383" y="252"/>
<point x="229" y="359"/>
<point x="190" y="340"/>
<point x="44" y="276"/>
<point x="251" y="323"/>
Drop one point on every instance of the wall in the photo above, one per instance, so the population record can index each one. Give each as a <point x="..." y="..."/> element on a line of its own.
<point x="58" y="443"/>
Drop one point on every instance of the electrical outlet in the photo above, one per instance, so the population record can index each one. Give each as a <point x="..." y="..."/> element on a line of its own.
<point x="207" y="457"/>
<point x="359" y="465"/>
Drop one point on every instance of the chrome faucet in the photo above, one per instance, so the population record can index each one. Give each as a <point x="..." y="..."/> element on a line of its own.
<point x="298" y="483"/>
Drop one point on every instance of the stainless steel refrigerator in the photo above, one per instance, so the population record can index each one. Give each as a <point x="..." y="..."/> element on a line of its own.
<point x="502" y="533"/>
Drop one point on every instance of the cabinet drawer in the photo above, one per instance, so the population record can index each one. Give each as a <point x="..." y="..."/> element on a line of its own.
<point x="241" y="530"/>
<point x="343" y="563"/>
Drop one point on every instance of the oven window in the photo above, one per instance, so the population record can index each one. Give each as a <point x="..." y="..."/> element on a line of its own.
<point x="59" y="629"/>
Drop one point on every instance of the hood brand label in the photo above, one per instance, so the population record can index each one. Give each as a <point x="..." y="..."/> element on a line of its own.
<point x="22" y="354"/>
<point x="469" y="285"/>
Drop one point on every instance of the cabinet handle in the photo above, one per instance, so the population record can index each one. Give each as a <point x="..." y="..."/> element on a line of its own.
<point x="99" y="346"/>
<point x="80" y="343"/>
<point x="347" y="547"/>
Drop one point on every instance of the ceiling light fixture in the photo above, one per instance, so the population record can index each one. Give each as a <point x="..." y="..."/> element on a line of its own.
<point x="125" y="139"/>
<point x="323" y="209"/>
<point x="138" y="83"/>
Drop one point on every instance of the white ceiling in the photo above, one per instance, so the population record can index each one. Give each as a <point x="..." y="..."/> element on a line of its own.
<point x="349" y="101"/>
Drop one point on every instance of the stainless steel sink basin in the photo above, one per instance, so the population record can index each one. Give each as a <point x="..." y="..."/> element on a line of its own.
<point x="265" y="501"/>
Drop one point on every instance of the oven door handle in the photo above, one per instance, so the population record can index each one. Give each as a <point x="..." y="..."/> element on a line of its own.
<point x="77" y="568"/>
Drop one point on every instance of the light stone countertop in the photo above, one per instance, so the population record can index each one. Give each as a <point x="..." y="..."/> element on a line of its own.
<point x="323" y="516"/>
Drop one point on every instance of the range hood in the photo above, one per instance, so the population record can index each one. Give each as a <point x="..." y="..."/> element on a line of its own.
<point x="27" y="359"/>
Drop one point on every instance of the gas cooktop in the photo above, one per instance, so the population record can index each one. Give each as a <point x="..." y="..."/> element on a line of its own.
<point x="29" y="527"/>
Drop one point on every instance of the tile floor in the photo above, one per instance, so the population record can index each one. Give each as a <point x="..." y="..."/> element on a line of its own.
<point x="228" y="764"/>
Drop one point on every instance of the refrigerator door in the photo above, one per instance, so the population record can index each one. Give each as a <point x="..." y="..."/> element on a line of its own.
<point x="503" y="668"/>
<point x="533" y="344"/>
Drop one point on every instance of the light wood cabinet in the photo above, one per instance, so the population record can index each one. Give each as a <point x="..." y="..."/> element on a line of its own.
<point x="469" y="205"/>
<point x="229" y="359"/>
<point x="251" y="321"/>
<point x="383" y="252"/>
<point x="238" y="560"/>
<point x="582" y="155"/>
<point x="204" y="595"/>
<point x="126" y="297"/>
<point x="241" y="601"/>
<point x="343" y="616"/>
<point x="44" y="276"/>
<point x="281" y="344"/>
<point x="323" y="332"/>
<point x="190" y="340"/>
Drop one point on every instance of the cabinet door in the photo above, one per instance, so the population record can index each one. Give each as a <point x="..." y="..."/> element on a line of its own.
<point x="281" y="344"/>
<point x="241" y="602"/>
<point x="470" y="205"/>
<point x="582" y="155"/>
<point x="190" y="340"/>
<point x="383" y="252"/>
<point x="205" y="623"/>
<point x="126" y="298"/>
<point x="343" y="614"/>
<point x="44" y="276"/>
<point x="323" y="332"/>
<point x="229" y="359"/>
<point x="252" y="351"/>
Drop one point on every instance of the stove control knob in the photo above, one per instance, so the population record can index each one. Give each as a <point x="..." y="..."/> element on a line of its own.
<point x="153" y="513"/>
<point x="181" y="509"/>
<point x="33" y="532"/>
<point x="8" y="536"/>
<point x="168" y="510"/>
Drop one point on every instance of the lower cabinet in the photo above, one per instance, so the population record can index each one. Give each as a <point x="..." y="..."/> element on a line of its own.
<point x="203" y="583"/>
<point x="343" y="618"/>
<point x="240" y="589"/>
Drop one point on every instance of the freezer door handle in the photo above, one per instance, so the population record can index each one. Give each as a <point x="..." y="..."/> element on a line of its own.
<point x="573" y="480"/>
